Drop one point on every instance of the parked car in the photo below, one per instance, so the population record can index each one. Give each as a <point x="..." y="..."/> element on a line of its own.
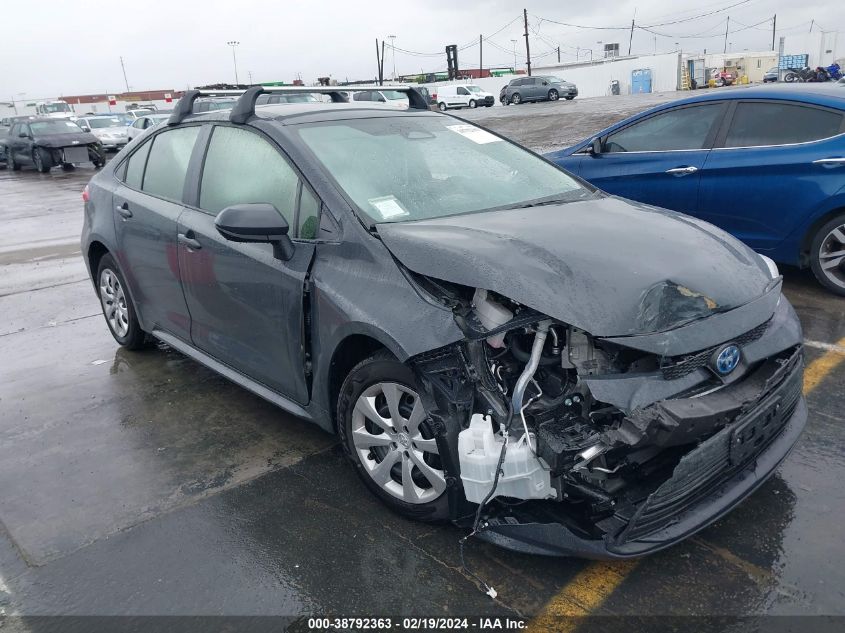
<point x="110" y="130"/>
<point x="453" y="306"/>
<point x="766" y="164"/>
<point x="137" y="113"/>
<point x="392" y="98"/>
<point x="48" y="142"/>
<point x="462" y="96"/>
<point x="211" y="104"/>
<point x="771" y="75"/>
<point x="143" y="123"/>
<point x="722" y="77"/>
<point x="296" y="97"/>
<point x="538" y="88"/>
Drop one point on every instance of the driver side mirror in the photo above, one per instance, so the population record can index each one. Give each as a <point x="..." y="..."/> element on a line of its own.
<point x="595" y="146"/>
<point x="23" y="135"/>
<point x="257" y="223"/>
<point x="85" y="128"/>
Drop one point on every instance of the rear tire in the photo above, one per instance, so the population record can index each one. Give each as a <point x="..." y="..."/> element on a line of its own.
<point x="117" y="304"/>
<point x="10" y="161"/>
<point x="443" y="107"/>
<point x="387" y="436"/>
<point x="827" y="265"/>
<point x="68" y="166"/>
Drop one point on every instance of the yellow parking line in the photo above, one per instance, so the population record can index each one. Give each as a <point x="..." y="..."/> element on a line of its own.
<point x="594" y="584"/>
<point x="822" y="366"/>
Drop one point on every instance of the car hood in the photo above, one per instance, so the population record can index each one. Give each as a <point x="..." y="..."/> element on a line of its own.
<point x="109" y="131"/>
<point x="606" y="265"/>
<point x="64" y="140"/>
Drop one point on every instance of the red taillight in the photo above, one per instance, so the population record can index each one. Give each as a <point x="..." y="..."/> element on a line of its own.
<point x="434" y="96"/>
<point x="85" y="196"/>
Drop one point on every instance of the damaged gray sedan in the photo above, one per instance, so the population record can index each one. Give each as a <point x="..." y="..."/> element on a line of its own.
<point x="496" y="342"/>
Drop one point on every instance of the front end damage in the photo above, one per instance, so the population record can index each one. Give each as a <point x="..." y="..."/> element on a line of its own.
<point x="591" y="446"/>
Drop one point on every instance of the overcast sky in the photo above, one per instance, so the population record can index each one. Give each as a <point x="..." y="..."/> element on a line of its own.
<point x="57" y="47"/>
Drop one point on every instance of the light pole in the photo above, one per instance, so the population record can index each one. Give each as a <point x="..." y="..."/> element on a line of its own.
<point x="234" y="44"/>
<point x="392" y="39"/>
<point x="514" y="54"/>
<point x="600" y="42"/>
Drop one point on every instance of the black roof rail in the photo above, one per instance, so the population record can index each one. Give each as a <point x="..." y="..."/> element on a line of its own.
<point x="184" y="107"/>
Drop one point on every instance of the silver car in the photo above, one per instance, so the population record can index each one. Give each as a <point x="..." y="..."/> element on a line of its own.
<point x="538" y="88"/>
<point x="144" y="122"/>
<point x="109" y="130"/>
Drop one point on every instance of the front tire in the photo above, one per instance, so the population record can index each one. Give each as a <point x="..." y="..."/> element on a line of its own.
<point x="827" y="255"/>
<point x="118" y="308"/>
<point x="516" y="98"/>
<point x="553" y="95"/>
<point x="387" y="436"/>
<point x="42" y="160"/>
<point x="472" y="104"/>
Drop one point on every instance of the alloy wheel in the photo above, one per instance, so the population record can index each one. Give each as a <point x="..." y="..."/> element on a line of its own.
<point x="114" y="303"/>
<point x="832" y="256"/>
<point x="394" y="443"/>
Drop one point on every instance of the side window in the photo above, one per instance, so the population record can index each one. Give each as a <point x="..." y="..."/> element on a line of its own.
<point x="168" y="162"/>
<point x="135" y="166"/>
<point x="362" y="96"/>
<point x="16" y="129"/>
<point x="780" y="124"/>
<point x="682" y="128"/>
<point x="462" y="91"/>
<point x="242" y="167"/>
<point x="309" y="215"/>
<point x="138" y="124"/>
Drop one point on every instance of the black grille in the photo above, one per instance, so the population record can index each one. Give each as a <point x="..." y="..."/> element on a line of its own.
<point x="679" y="366"/>
<point x="707" y="467"/>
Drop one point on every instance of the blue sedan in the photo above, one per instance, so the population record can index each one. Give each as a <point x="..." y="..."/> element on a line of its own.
<point x="766" y="164"/>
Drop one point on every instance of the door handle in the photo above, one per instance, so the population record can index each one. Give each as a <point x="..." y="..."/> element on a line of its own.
<point x="190" y="242"/>
<point x="682" y="171"/>
<point x="829" y="161"/>
<point x="123" y="210"/>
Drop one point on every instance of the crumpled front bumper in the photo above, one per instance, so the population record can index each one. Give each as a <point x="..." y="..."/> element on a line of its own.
<point x="719" y="486"/>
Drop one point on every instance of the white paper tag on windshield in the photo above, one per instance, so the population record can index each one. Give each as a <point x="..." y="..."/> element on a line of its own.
<point x="388" y="207"/>
<point x="476" y="135"/>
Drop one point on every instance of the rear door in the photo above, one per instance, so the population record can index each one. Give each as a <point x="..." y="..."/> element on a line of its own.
<point x="146" y="206"/>
<point x="658" y="159"/>
<point x="771" y="168"/>
<point x="247" y="306"/>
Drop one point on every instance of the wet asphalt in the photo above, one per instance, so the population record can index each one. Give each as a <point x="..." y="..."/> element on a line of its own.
<point x="141" y="483"/>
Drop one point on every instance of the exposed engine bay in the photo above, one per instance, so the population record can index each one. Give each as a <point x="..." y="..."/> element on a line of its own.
<point x="535" y="440"/>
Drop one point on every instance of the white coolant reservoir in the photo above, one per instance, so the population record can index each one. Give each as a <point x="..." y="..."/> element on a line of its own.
<point x="492" y="315"/>
<point x="479" y="448"/>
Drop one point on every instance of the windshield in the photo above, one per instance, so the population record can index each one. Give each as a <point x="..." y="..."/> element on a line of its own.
<point x="474" y="89"/>
<point x="398" y="169"/>
<point x="556" y="80"/>
<point x="100" y="123"/>
<point x="393" y="95"/>
<point x="52" y="108"/>
<point x="221" y="105"/>
<point x="54" y="127"/>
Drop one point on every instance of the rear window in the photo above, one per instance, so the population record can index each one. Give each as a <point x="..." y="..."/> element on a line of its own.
<point x="168" y="162"/>
<point x="135" y="166"/>
<point x="756" y="124"/>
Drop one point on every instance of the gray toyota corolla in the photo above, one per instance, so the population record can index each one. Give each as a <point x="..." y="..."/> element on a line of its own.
<point x="496" y="342"/>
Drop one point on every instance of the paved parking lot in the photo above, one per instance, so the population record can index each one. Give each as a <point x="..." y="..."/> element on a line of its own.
<point x="143" y="483"/>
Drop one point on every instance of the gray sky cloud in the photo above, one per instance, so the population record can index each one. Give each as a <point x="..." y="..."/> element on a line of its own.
<point x="59" y="47"/>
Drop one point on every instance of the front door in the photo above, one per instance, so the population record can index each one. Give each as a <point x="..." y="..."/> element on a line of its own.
<point x="246" y="306"/>
<point x="147" y="205"/>
<point x="657" y="160"/>
<point x="781" y="158"/>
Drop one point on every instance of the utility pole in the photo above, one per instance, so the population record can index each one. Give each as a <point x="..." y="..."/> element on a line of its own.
<point x="527" y="47"/>
<point x="774" y="28"/>
<point x="392" y="39"/>
<point x="727" y="26"/>
<point x="480" y="58"/>
<point x="514" y="54"/>
<point x="812" y="22"/>
<point x="631" y="38"/>
<point x="381" y="74"/>
<point x="249" y="73"/>
<point x="378" y="64"/>
<point x="234" y="44"/>
<point x="558" y="54"/>
<point x="125" y="80"/>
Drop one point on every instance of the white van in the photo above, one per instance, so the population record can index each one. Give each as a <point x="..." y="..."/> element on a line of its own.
<point x="462" y="96"/>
